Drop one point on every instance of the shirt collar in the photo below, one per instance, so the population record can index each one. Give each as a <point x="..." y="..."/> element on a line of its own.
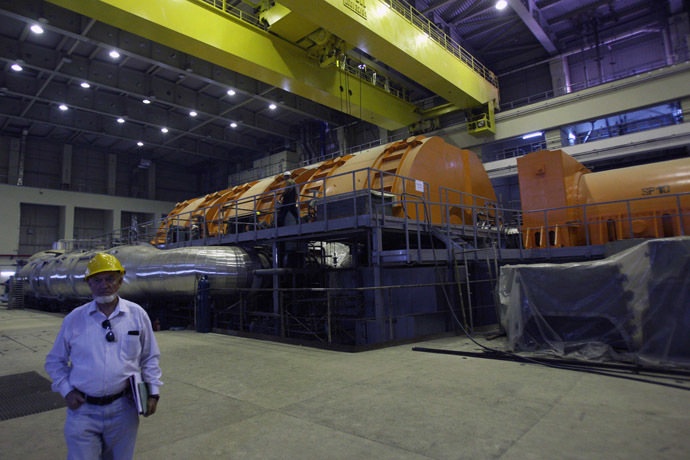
<point x="121" y="307"/>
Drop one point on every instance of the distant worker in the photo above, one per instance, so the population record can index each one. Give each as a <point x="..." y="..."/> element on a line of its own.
<point x="106" y="341"/>
<point x="288" y="201"/>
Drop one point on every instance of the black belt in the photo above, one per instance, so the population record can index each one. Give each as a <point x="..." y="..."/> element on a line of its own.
<point x="102" y="400"/>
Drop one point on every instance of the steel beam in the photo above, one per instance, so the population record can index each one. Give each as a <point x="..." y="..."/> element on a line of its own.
<point x="399" y="36"/>
<point x="200" y="30"/>
<point x="531" y="15"/>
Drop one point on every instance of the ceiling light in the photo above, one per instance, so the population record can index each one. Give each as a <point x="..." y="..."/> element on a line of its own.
<point x="531" y="135"/>
<point x="164" y="130"/>
<point x="36" y="29"/>
<point x="120" y="120"/>
<point x="146" y="101"/>
<point x="85" y="85"/>
<point x="62" y="107"/>
<point x="500" y="4"/>
<point x="140" y="144"/>
<point x="233" y="125"/>
<point x="17" y="67"/>
<point x="193" y="113"/>
<point x="272" y="106"/>
<point x="114" y="54"/>
<point x="231" y="92"/>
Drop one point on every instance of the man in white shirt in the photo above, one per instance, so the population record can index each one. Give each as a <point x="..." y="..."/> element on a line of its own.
<point x="106" y="341"/>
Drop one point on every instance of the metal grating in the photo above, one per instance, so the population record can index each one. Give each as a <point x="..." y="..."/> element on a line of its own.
<point x="25" y="394"/>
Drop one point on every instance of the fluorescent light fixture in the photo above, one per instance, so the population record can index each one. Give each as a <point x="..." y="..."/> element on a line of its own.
<point x="36" y="29"/>
<point x="146" y="101"/>
<point x="233" y="125"/>
<point x="63" y="107"/>
<point x="114" y="54"/>
<point x="272" y="106"/>
<point x="231" y="92"/>
<point x="531" y="135"/>
<point x="500" y="4"/>
<point x="140" y="144"/>
<point x="6" y="273"/>
<point x="193" y="113"/>
<point x="84" y="85"/>
<point x="164" y="130"/>
<point x="17" y="67"/>
<point x="120" y="120"/>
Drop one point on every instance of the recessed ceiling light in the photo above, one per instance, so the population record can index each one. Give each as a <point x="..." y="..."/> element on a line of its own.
<point x="500" y="4"/>
<point x="140" y="144"/>
<point x="233" y="125"/>
<point x="146" y="101"/>
<point x="231" y="92"/>
<point x="193" y="113"/>
<point x="17" y="67"/>
<point x="36" y="29"/>
<point x="272" y="106"/>
<point x="62" y="107"/>
<point x="114" y="54"/>
<point x="164" y="130"/>
<point x="120" y="120"/>
<point x="85" y="85"/>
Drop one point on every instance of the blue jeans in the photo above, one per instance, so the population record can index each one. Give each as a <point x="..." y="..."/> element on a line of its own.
<point x="102" y="432"/>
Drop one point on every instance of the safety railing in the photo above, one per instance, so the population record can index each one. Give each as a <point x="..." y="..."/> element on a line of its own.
<point x="433" y="32"/>
<point x="256" y="217"/>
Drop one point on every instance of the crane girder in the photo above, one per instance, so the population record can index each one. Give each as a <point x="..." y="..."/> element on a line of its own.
<point x="198" y="29"/>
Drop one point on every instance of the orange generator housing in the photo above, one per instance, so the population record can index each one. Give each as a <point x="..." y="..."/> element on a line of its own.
<point x="565" y="204"/>
<point x="398" y="169"/>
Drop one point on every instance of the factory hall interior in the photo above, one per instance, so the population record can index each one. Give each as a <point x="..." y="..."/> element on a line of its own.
<point x="378" y="229"/>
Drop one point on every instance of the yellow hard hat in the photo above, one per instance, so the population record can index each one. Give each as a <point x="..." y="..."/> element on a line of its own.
<point x="102" y="262"/>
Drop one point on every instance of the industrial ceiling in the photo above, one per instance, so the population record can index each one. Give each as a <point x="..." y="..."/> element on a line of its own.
<point x="72" y="89"/>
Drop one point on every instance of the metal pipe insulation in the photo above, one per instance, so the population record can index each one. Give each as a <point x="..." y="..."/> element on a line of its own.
<point x="150" y="273"/>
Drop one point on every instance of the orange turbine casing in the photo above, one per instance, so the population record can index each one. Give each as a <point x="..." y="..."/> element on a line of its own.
<point x="638" y="201"/>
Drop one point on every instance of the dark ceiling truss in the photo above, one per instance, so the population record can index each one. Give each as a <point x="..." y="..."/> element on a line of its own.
<point x="174" y="82"/>
<point x="109" y="106"/>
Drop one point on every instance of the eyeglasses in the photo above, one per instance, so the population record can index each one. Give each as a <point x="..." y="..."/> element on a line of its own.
<point x="109" y="336"/>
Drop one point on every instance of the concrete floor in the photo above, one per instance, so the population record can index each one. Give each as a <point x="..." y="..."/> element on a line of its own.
<point x="228" y="397"/>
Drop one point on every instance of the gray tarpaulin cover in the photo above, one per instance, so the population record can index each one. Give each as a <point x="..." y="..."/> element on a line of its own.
<point x="632" y="305"/>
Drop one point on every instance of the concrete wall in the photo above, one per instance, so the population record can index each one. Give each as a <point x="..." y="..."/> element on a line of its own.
<point x="32" y="218"/>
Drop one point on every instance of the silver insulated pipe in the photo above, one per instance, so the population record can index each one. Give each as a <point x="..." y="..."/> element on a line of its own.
<point x="150" y="273"/>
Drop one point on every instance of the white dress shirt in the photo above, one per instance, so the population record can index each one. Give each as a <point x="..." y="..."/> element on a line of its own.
<point x="99" y="367"/>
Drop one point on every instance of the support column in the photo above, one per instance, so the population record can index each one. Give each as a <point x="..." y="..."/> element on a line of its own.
<point x="383" y="135"/>
<point x="685" y="107"/>
<point x="554" y="139"/>
<point x="112" y="173"/>
<point x="13" y="169"/>
<point x="66" y="183"/>
<point x="560" y="76"/>
<point x="342" y="139"/>
<point x="66" y="224"/>
<point x="151" y="182"/>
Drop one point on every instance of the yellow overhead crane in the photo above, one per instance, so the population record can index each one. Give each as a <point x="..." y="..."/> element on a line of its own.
<point x="303" y="50"/>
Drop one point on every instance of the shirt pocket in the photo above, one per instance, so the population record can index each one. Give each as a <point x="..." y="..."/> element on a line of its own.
<point x="131" y="347"/>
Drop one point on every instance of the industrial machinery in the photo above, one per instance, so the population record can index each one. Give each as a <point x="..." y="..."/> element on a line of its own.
<point x="417" y="169"/>
<point x="565" y="204"/>
<point x="376" y="256"/>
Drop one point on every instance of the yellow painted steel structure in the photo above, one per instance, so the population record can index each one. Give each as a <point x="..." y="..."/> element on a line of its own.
<point x="401" y="37"/>
<point x="645" y="201"/>
<point x="214" y="34"/>
<point x="415" y="170"/>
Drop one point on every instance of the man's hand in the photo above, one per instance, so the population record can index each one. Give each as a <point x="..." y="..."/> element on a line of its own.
<point x="74" y="399"/>
<point x="151" y="406"/>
